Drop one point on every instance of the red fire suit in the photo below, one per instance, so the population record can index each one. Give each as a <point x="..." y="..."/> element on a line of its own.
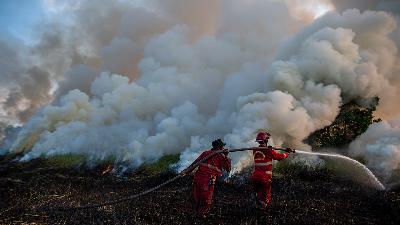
<point x="204" y="179"/>
<point x="262" y="174"/>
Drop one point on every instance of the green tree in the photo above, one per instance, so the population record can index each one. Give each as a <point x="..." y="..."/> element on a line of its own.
<point x="353" y="120"/>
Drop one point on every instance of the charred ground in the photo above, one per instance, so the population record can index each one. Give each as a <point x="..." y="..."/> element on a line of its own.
<point x="30" y="192"/>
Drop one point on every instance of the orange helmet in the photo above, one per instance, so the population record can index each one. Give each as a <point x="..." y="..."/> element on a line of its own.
<point x="262" y="136"/>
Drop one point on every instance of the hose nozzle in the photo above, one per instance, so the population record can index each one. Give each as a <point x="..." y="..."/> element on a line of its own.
<point x="290" y="150"/>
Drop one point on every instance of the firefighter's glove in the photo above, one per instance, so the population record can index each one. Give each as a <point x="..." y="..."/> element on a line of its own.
<point x="290" y="150"/>
<point x="226" y="151"/>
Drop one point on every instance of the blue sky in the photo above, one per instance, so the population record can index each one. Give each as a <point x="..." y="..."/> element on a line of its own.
<point x="19" y="16"/>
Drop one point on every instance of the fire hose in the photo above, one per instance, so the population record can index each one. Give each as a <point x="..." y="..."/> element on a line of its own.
<point x="180" y="175"/>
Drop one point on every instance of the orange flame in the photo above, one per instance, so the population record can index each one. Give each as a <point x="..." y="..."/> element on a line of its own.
<point x="107" y="169"/>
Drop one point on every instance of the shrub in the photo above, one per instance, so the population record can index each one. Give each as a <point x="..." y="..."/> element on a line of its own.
<point x="353" y="120"/>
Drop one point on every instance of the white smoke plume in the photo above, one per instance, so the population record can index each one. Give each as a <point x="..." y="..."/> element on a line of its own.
<point x="380" y="147"/>
<point x="181" y="66"/>
<point x="366" y="66"/>
<point x="23" y="86"/>
<point x="163" y="80"/>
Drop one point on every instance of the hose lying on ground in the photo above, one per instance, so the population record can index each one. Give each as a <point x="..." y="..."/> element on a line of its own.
<point x="180" y="175"/>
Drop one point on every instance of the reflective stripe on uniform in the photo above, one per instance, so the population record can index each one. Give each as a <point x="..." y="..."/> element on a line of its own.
<point x="259" y="152"/>
<point x="263" y="164"/>
<point x="268" y="172"/>
<point x="211" y="167"/>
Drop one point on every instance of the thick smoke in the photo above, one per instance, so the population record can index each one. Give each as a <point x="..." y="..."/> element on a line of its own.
<point x="183" y="67"/>
<point x="342" y="5"/>
<point x="162" y="80"/>
<point x="392" y="6"/>
<point x="24" y="86"/>
<point x="308" y="10"/>
<point x="380" y="146"/>
<point x="69" y="53"/>
<point x="366" y="66"/>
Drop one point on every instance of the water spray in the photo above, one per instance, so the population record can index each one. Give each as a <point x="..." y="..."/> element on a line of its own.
<point x="374" y="180"/>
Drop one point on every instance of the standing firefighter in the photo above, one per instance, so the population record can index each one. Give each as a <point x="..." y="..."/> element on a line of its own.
<point x="262" y="174"/>
<point x="206" y="175"/>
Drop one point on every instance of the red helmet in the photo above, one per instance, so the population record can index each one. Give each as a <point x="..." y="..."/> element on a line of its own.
<point x="262" y="136"/>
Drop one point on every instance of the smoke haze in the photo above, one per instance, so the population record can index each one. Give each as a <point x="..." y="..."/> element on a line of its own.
<point x="137" y="83"/>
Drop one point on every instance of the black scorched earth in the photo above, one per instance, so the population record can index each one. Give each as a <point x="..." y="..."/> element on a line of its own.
<point x="30" y="191"/>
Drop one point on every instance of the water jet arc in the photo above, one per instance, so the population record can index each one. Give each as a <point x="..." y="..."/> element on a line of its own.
<point x="354" y="162"/>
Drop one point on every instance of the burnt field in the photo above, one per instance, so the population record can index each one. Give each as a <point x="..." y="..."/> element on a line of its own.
<point x="30" y="192"/>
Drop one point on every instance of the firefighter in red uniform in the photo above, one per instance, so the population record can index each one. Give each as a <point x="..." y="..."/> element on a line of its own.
<point x="262" y="174"/>
<point x="206" y="175"/>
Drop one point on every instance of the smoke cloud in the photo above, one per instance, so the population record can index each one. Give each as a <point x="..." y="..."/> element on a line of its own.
<point x="392" y="6"/>
<point x="136" y="83"/>
<point x="24" y="86"/>
<point x="342" y="5"/>
<point x="380" y="146"/>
